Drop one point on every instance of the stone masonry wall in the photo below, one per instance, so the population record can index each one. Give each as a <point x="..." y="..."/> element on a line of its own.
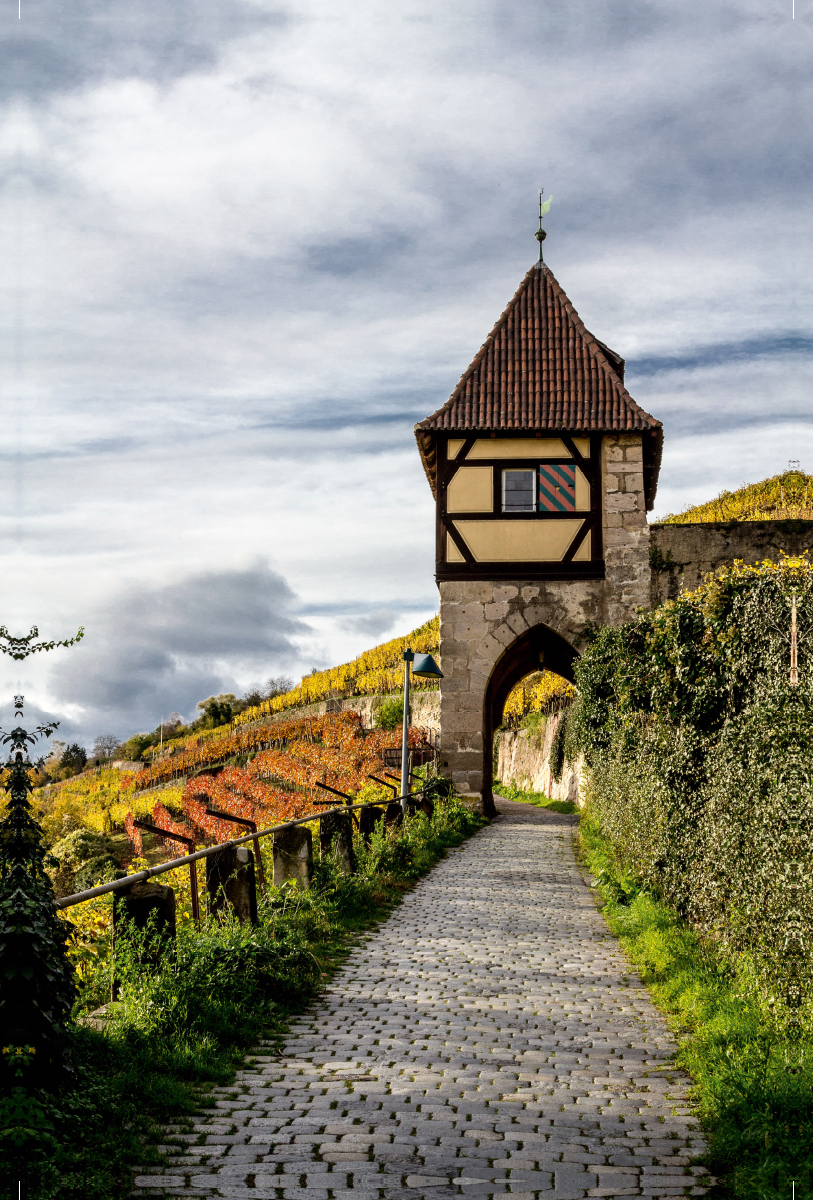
<point x="479" y="620"/>
<point x="683" y="554"/>
<point x="522" y="759"/>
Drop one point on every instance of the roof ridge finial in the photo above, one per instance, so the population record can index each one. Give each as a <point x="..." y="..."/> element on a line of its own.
<point x="540" y="234"/>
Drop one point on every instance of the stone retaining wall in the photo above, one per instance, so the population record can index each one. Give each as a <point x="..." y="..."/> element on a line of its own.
<point x="680" y="555"/>
<point x="425" y="710"/>
<point x="522" y="759"/>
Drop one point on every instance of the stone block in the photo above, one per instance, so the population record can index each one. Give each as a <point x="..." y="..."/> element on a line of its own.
<point x="336" y="840"/>
<point x="456" y="684"/>
<point x="505" y="591"/>
<point x="472" y="632"/>
<point x="490" y="648"/>
<point x="615" y="538"/>
<point x="293" y="856"/>
<point x="471" y="740"/>
<point x="517" y="623"/>
<point x="622" y="502"/>
<point x="633" y="483"/>
<point x="611" y="483"/>
<point x="613" y="452"/>
<point x="368" y="819"/>
<point x="452" y="591"/>
<point x="231" y="883"/>
<point x="475" y="592"/>
<point x="468" y="760"/>
<point x="633" y="452"/>
<point x="496" y="612"/>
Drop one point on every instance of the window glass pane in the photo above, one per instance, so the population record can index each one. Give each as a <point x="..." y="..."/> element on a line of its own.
<point x="518" y="488"/>
<point x="557" y="488"/>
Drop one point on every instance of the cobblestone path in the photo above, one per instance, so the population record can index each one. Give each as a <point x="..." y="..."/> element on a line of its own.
<point x="488" y="1039"/>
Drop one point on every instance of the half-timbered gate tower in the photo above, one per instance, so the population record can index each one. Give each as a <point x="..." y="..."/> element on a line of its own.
<point x="543" y="468"/>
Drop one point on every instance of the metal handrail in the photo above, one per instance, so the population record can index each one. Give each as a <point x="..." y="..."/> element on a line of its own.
<point x="116" y="885"/>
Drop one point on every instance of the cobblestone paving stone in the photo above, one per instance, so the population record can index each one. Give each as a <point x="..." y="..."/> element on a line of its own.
<point x="489" y="1039"/>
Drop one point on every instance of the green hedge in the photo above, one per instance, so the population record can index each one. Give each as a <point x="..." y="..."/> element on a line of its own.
<point x="701" y="764"/>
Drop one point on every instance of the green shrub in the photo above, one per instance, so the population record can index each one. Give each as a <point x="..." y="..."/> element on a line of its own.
<point x="85" y="858"/>
<point x="390" y="713"/>
<point x="701" y="762"/>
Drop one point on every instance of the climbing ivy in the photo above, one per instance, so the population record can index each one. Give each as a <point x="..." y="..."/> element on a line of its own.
<point x="701" y="759"/>
<point x="557" y="747"/>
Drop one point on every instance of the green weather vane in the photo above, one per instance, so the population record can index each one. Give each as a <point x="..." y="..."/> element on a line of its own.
<point x="543" y="210"/>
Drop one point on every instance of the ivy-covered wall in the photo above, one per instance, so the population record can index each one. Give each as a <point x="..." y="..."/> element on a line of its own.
<point x="700" y="753"/>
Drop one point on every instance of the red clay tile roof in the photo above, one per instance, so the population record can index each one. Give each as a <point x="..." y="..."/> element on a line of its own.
<point x="539" y="368"/>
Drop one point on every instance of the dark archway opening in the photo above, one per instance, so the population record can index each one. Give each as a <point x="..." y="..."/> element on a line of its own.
<point x="534" y="650"/>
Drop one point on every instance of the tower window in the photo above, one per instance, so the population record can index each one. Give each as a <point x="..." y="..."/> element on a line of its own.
<point x="519" y="491"/>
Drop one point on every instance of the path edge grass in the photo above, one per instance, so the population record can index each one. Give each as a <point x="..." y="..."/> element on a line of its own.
<point x="756" y="1116"/>
<point x="132" y="1104"/>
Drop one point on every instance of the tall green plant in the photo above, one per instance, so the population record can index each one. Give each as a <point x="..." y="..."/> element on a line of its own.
<point x="36" y="979"/>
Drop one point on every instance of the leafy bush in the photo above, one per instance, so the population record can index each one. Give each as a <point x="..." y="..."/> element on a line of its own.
<point x="556" y="759"/>
<point x="701" y="761"/>
<point x="85" y="858"/>
<point x="390" y="714"/>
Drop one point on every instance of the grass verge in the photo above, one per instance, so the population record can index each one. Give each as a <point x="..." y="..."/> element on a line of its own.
<point x="183" y="1023"/>
<point x="539" y="799"/>
<point x="753" y="1087"/>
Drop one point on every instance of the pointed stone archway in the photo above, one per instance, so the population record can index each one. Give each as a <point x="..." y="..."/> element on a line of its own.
<point x="537" y="648"/>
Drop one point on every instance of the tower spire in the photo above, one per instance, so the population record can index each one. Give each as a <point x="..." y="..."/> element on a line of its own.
<point x="540" y="234"/>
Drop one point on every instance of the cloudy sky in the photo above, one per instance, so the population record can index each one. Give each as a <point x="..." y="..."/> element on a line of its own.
<point x="247" y="244"/>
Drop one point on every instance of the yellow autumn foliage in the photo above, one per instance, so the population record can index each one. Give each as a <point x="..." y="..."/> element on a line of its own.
<point x="535" y="693"/>
<point x="785" y="497"/>
<point x="98" y="800"/>
<point x="374" y="672"/>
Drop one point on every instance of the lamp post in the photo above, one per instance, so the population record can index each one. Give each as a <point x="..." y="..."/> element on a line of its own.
<point x="424" y="667"/>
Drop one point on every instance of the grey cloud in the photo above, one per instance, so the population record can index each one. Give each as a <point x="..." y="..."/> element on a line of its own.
<point x="371" y="624"/>
<point x="240" y="287"/>
<point x="57" y="47"/>
<point x="780" y="345"/>
<point x="152" y="650"/>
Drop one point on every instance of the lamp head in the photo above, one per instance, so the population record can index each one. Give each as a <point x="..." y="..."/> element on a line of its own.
<point x="425" y="667"/>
